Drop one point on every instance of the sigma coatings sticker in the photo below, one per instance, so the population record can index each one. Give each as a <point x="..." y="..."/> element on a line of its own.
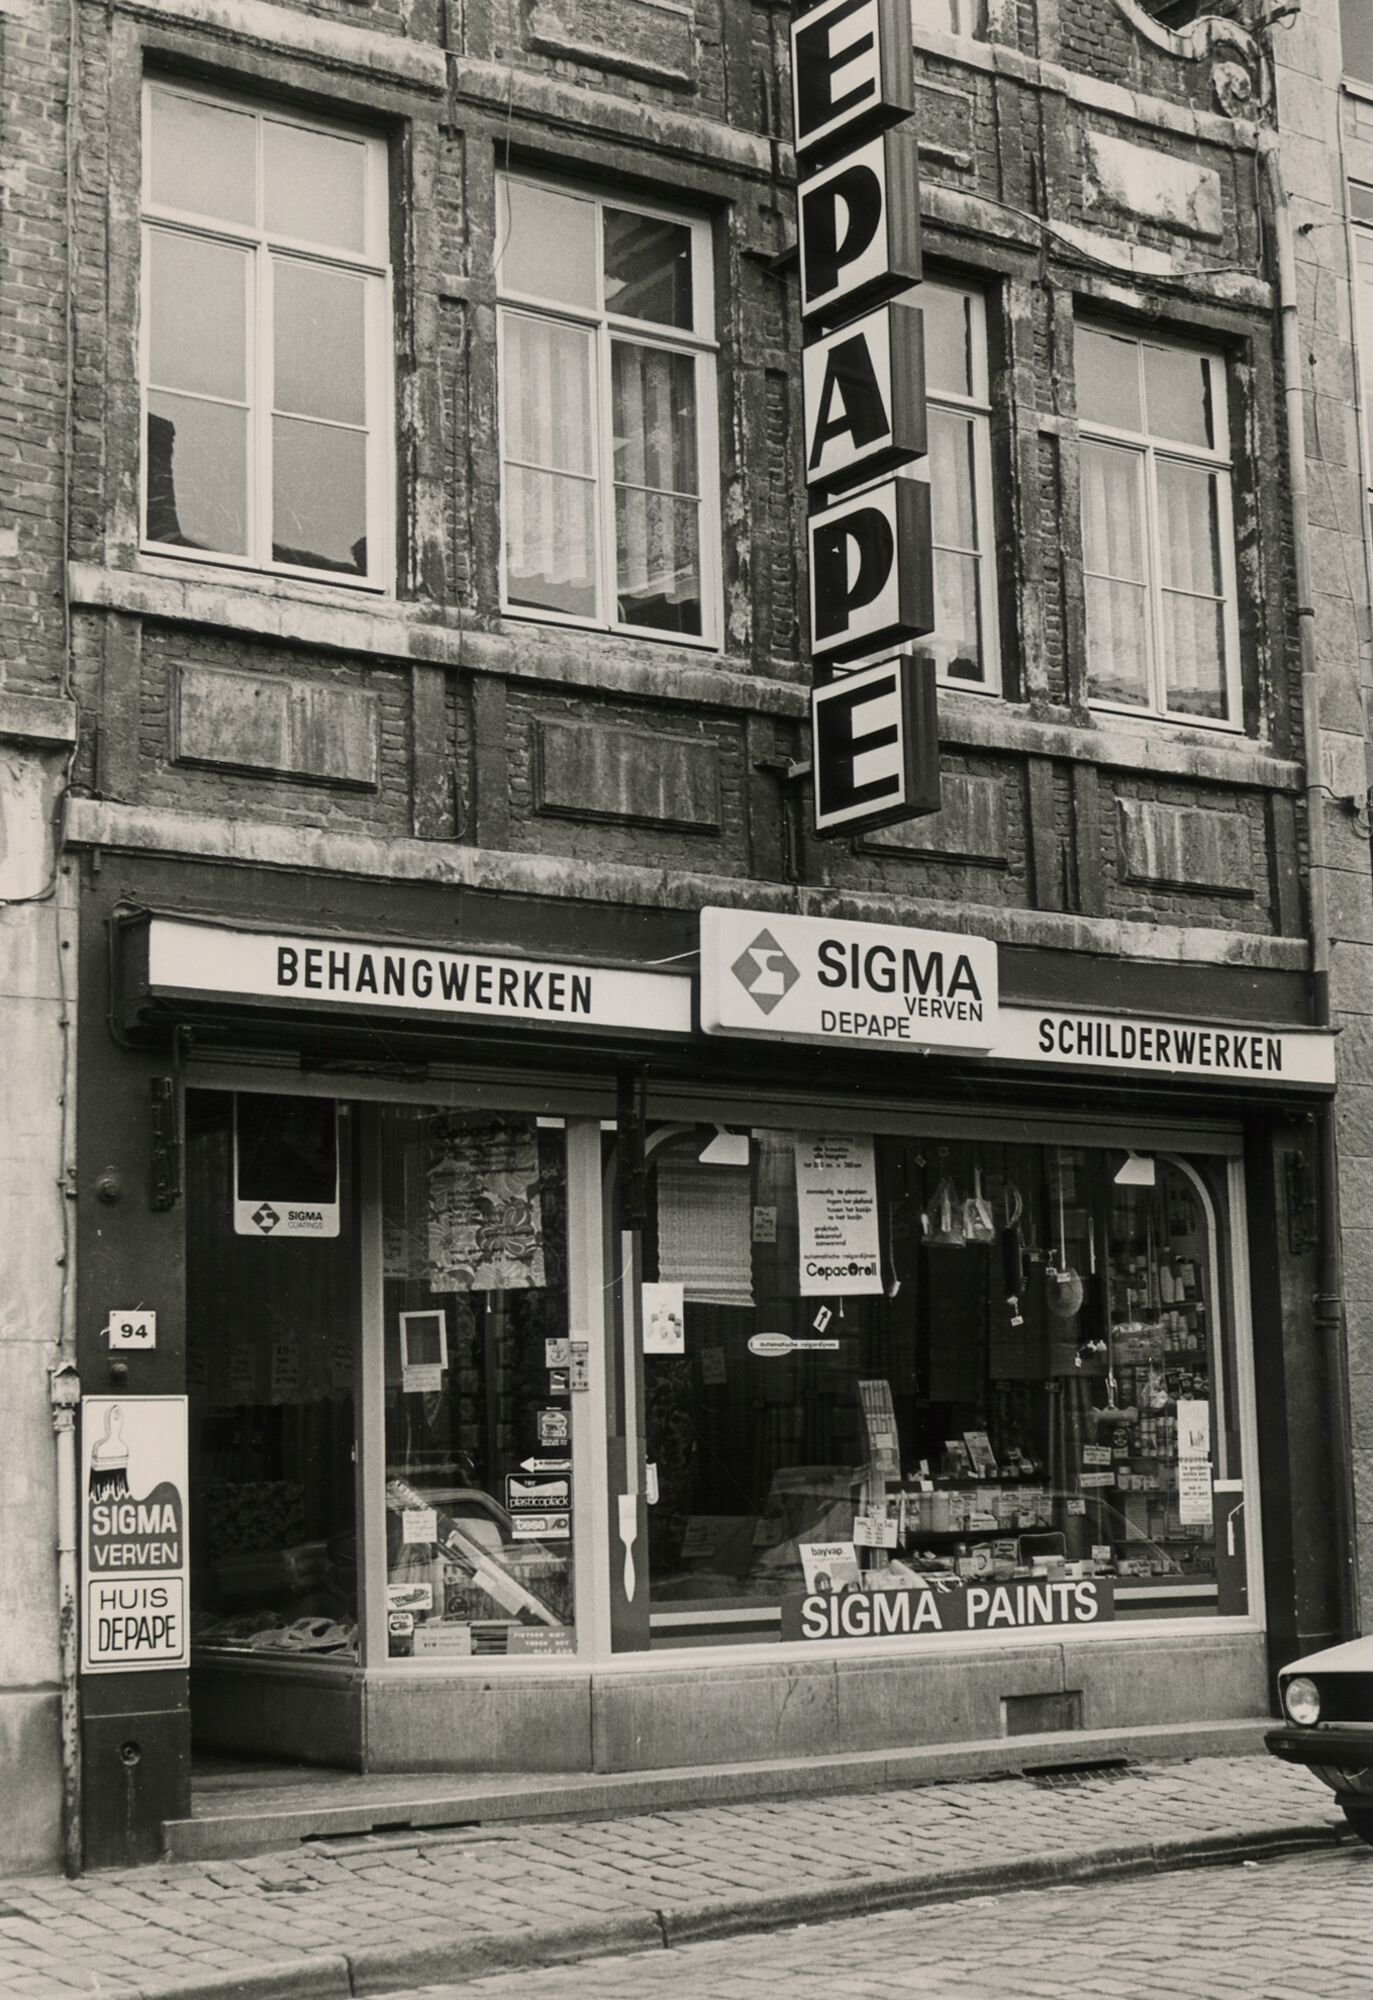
<point x="133" y="1533"/>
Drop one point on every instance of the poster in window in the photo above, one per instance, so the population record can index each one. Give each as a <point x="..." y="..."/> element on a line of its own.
<point x="836" y="1202"/>
<point x="485" y="1210"/>
<point x="423" y="1350"/>
<point x="664" y="1319"/>
<point x="830" y="1565"/>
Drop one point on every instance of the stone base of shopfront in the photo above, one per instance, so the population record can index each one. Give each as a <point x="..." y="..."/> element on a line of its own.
<point x="637" y="1719"/>
<point x="30" y="1830"/>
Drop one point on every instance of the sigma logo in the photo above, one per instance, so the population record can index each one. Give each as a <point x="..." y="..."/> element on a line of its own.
<point x="765" y="972"/>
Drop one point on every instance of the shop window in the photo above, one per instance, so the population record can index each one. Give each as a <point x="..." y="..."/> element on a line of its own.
<point x="988" y="1378"/>
<point x="1157" y="533"/>
<point x="271" y="1371"/>
<point x="265" y="335"/>
<point x="479" y="1538"/>
<point x="959" y="470"/>
<point x="607" y="371"/>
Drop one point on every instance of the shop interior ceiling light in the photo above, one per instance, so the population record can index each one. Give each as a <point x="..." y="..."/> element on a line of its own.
<point x="1138" y="1170"/>
<point x="726" y="1149"/>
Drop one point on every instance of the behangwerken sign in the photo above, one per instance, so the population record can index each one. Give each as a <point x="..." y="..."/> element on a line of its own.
<point x="380" y="974"/>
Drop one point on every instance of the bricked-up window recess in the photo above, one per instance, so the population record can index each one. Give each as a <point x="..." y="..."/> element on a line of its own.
<point x="610" y="488"/>
<point x="959" y="470"/>
<point x="1158" y="536"/>
<point x="950" y="17"/>
<point x="265" y="339"/>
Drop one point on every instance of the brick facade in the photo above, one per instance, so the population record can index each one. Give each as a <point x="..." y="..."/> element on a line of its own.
<point x="224" y="716"/>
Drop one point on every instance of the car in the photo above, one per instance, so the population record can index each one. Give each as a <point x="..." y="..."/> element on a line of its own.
<point x="1327" y="1706"/>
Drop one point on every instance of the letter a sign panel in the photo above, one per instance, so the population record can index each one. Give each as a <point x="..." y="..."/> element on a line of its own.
<point x="871" y="564"/>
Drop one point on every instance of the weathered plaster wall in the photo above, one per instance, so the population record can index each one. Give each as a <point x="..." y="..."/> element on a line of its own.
<point x="35" y="728"/>
<point x="1317" y="130"/>
<point x="32" y="1008"/>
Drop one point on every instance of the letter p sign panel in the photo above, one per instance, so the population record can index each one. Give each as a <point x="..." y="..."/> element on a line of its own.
<point x="875" y="747"/>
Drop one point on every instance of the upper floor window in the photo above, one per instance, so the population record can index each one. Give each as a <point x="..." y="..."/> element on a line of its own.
<point x="1356" y="39"/>
<point x="949" y="17"/>
<point x="265" y="338"/>
<point x="1361" y="207"/>
<point x="959" y="468"/>
<point x="1157" y="534"/>
<point x="608" y="430"/>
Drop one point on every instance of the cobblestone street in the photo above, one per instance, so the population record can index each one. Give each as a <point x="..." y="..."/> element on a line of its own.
<point x="342" y="1918"/>
<point x="1289" y="1930"/>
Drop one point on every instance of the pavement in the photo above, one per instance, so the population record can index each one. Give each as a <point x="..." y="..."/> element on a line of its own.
<point x="332" y="1918"/>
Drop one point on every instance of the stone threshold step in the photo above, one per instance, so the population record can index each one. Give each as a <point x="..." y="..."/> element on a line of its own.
<point x="270" y="1811"/>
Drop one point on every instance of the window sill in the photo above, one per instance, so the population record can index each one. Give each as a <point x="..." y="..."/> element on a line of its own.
<point x="1112" y="740"/>
<point x="288" y="612"/>
<point x="342" y="587"/>
<point x="639" y="635"/>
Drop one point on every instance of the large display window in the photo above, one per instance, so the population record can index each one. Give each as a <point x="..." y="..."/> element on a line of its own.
<point x="478" y="1405"/>
<point x="378" y="1360"/>
<point x="977" y="1373"/>
<point x="450" y="1403"/>
<point x="271" y="1363"/>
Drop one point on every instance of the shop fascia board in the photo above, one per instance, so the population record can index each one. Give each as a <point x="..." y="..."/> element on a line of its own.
<point x="292" y="614"/>
<point x="175" y="961"/>
<point x="155" y="830"/>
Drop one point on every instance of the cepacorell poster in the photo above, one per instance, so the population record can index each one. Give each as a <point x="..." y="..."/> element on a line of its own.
<point x="135" y="1560"/>
<point x="836" y="1203"/>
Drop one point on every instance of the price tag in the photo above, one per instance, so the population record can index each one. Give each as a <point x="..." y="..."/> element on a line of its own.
<point x="419" y="1525"/>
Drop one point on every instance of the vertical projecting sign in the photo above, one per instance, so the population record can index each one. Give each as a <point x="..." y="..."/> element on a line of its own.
<point x="876" y="751"/>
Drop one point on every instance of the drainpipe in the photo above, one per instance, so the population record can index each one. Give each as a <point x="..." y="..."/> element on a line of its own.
<point x="66" y="1400"/>
<point x="1328" y="1302"/>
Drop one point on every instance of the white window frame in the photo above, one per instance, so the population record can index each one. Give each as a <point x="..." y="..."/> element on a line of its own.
<point x="1361" y="261"/>
<point x="967" y="18"/>
<point x="700" y="343"/>
<point x="262" y="246"/>
<point x="977" y="409"/>
<point x="1149" y="449"/>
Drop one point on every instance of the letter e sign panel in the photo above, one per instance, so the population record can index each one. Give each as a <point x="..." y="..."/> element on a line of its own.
<point x="851" y="69"/>
<point x="875" y="747"/>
